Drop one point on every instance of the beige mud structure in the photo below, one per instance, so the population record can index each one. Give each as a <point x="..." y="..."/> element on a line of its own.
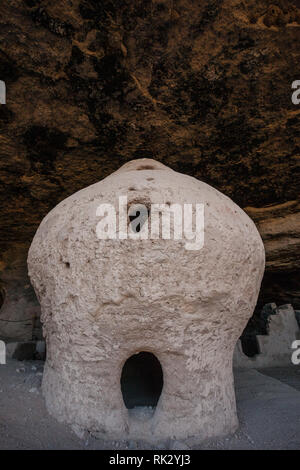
<point x="104" y="301"/>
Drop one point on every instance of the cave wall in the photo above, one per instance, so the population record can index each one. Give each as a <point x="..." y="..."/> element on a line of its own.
<point x="204" y="87"/>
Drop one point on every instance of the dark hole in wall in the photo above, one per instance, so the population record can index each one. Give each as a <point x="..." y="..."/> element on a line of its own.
<point x="146" y="167"/>
<point x="250" y="345"/>
<point x="141" y="380"/>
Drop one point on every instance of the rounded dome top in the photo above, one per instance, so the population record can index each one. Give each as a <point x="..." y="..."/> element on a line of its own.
<point x="67" y="259"/>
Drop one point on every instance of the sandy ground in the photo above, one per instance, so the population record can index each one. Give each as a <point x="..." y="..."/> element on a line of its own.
<point x="268" y="406"/>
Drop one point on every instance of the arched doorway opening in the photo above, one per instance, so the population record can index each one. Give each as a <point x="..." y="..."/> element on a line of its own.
<point x="141" y="380"/>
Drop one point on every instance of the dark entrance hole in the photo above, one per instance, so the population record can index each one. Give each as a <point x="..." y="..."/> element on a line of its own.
<point x="250" y="345"/>
<point x="141" y="380"/>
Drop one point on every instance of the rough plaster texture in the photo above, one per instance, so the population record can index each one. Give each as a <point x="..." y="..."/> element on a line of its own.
<point x="275" y="348"/>
<point x="104" y="300"/>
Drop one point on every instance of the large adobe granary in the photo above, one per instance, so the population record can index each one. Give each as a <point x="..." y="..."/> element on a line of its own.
<point x="140" y="333"/>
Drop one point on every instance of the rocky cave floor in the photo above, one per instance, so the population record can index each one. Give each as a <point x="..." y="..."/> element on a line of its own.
<point x="268" y="407"/>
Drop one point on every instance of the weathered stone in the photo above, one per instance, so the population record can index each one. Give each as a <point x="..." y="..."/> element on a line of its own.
<point x="105" y="300"/>
<point x="275" y="348"/>
<point x="19" y="309"/>
<point x="204" y="87"/>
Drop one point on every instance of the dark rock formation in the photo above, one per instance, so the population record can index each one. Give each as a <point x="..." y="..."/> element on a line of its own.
<point x="204" y="87"/>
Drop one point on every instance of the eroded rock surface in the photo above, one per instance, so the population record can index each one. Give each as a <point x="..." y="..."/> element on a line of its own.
<point x="204" y="87"/>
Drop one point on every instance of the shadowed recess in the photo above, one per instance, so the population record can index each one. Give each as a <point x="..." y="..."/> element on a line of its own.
<point x="141" y="380"/>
